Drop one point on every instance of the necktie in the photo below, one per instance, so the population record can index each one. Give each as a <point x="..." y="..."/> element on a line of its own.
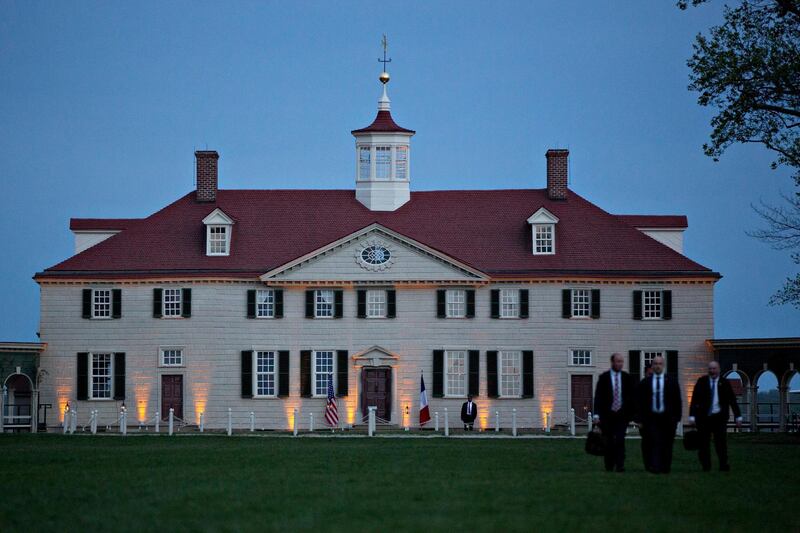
<point x="713" y="396"/>
<point x="617" y="403"/>
<point x="469" y="408"/>
<point x="658" y="394"/>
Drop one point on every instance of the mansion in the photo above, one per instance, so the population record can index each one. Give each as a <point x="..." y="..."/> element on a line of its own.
<point x="251" y="300"/>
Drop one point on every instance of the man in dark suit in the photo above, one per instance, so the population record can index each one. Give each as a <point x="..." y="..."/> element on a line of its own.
<point x="614" y="408"/>
<point x="469" y="411"/>
<point x="712" y="401"/>
<point x="648" y="371"/>
<point x="659" y="409"/>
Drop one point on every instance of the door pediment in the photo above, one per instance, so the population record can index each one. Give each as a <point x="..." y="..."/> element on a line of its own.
<point x="375" y="356"/>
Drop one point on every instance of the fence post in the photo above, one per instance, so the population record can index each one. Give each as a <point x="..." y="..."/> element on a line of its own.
<point x="371" y="423"/>
<point x="124" y="422"/>
<point x="572" y="422"/>
<point x="171" y="420"/>
<point x="436" y="421"/>
<point x="202" y="422"/>
<point x="73" y="423"/>
<point x="158" y="421"/>
<point x="294" y="422"/>
<point x="547" y="421"/>
<point x="446" y="424"/>
<point x="590" y="421"/>
<point x="680" y="429"/>
<point x="496" y="421"/>
<point x="93" y="424"/>
<point x="514" y="422"/>
<point x="252" y="421"/>
<point x="66" y="418"/>
<point x="230" y="426"/>
<point x="310" y="422"/>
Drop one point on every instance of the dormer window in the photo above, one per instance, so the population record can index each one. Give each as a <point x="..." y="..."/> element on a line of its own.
<point x="218" y="233"/>
<point x="543" y="230"/>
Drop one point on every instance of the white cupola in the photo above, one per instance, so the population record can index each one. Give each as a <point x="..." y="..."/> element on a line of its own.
<point x="383" y="159"/>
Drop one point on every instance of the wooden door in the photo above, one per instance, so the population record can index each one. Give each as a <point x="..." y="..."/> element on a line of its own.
<point x="171" y="395"/>
<point x="376" y="389"/>
<point x="582" y="395"/>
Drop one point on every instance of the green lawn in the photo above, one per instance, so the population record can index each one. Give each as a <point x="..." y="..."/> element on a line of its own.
<point x="85" y="483"/>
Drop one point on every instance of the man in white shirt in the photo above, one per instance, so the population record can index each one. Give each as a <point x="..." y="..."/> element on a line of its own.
<point x="712" y="401"/>
<point x="613" y="410"/>
<point x="469" y="411"/>
<point x="659" y="411"/>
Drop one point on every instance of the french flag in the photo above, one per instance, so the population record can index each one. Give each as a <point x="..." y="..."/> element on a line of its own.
<point x="424" y="412"/>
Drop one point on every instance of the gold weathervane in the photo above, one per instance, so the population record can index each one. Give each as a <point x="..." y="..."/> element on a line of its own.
<point x="384" y="77"/>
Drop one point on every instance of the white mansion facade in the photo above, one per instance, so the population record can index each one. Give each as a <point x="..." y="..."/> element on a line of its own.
<point x="251" y="299"/>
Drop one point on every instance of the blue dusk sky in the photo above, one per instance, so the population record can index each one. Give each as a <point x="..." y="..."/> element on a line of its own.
<point x="102" y="105"/>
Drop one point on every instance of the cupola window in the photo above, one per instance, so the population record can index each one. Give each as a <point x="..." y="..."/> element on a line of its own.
<point x="364" y="162"/>
<point x="383" y="162"/>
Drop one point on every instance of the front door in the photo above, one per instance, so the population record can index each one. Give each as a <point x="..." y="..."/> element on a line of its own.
<point x="582" y="396"/>
<point x="376" y="389"/>
<point x="171" y="395"/>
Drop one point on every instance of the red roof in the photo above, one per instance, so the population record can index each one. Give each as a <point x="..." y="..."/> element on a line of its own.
<point x="656" y="221"/>
<point x="99" y="224"/>
<point x="383" y="123"/>
<point x="487" y="230"/>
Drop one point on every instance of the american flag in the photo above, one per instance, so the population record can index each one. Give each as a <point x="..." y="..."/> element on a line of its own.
<point x="331" y="413"/>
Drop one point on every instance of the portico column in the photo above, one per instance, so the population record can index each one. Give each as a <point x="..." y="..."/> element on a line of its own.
<point x="753" y="407"/>
<point x="35" y="410"/>
<point x="782" y="407"/>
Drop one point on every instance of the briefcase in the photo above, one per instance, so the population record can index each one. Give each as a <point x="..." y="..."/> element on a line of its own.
<point x="595" y="444"/>
<point x="691" y="440"/>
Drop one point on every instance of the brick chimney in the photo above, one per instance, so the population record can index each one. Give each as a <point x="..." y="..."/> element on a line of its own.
<point x="557" y="173"/>
<point x="206" y="167"/>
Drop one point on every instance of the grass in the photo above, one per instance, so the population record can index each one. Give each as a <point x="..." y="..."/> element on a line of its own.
<point x="84" y="483"/>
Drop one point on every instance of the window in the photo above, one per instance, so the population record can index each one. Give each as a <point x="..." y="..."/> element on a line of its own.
<point x="218" y="240"/>
<point x="580" y="357"/>
<point x="510" y="374"/>
<point x="456" y="373"/>
<point x="401" y="163"/>
<point x="323" y="367"/>
<point x="456" y="303"/>
<point x="509" y="303"/>
<point x="172" y="302"/>
<point x="324" y="304"/>
<point x="543" y="239"/>
<point x="171" y="357"/>
<point x="647" y="358"/>
<point x="383" y="162"/>
<point x="265" y="303"/>
<point x="651" y="304"/>
<point x="101" y="303"/>
<point x="581" y="302"/>
<point x="376" y="304"/>
<point x="264" y="373"/>
<point x="364" y="160"/>
<point x="101" y="376"/>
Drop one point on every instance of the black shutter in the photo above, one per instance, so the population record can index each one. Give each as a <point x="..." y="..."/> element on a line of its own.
<point x="566" y="303"/>
<point x="595" y="303"/>
<point x="361" y="306"/>
<point x="491" y="374"/>
<point x="474" y="381"/>
<point x="470" y="303"/>
<point x="310" y="304"/>
<point x="82" y="386"/>
<point x="441" y="303"/>
<point x="494" y="305"/>
<point x="119" y="376"/>
<point x="666" y="305"/>
<point x="672" y="364"/>
<point x="278" y="294"/>
<point x="338" y="304"/>
<point x="186" y="303"/>
<point x="87" y="303"/>
<point x="523" y="303"/>
<point x="157" y="295"/>
<point x="247" y="373"/>
<point x="116" y="303"/>
<point x="283" y="373"/>
<point x="637" y="305"/>
<point x="438" y="373"/>
<point x="527" y="374"/>
<point x="305" y="373"/>
<point x="391" y="303"/>
<point x="251" y="303"/>
<point x="342" y="368"/>
<point x="634" y="365"/>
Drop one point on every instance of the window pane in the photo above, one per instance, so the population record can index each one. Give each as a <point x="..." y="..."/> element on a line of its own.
<point x="217" y="240"/>
<point x="456" y="303"/>
<point x="265" y="373"/>
<point x="544" y="239"/>
<point x="456" y="373"/>
<point x="376" y="304"/>
<point x="401" y="163"/>
<point x="101" y="301"/>
<point x="101" y="375"/>
<point x="265" y="303"/>
<point x="652" y="304"/>
<point x="172" y="357"/>
<point x="324" y="303"/>
<point x="383" y="162"/>
<point x="363" y="162"/>
<point x="172" y="302"/>
<point x="580" y="302"/>
<point x="323" y="366"/>
<point x="509" y="303"/>
<point x="510" y="381"/>
<point x="582" y="357"/>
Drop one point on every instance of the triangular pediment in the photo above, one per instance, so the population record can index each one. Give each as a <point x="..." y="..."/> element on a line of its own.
<point x="542" y="216"/>
<point x="375" y="254"/>
<point x="217" y="217"/>
<point x="375" y="356"/>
